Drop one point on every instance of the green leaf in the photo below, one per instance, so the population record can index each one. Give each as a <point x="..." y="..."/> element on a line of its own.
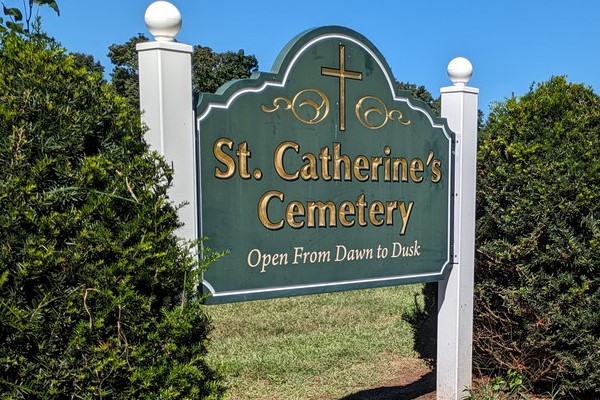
<point x="13" y="12"/>
<point x="14" y="26"/>
<point x="3" y="278"/>
<point x="50" y="3"/>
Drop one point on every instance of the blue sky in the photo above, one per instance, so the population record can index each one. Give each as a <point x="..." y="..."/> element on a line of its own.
<point x="511" y="43"/>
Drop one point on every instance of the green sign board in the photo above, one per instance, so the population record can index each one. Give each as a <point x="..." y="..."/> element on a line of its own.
<point x="321" y="176"/>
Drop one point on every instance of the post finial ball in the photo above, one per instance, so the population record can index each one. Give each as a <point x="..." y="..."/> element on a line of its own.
<point x="460" y="71"/>
<point x="163" y="20"/>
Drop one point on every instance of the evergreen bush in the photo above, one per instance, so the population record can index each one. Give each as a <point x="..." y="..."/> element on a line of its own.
<point x="537" y="306"/>
<point x="96" y="290"/>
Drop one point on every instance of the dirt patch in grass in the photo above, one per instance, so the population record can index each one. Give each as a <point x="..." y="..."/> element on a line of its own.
<point x="414" y="380"/>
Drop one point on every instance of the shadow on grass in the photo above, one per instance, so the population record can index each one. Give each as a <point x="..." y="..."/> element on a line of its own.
<point x="425" y="385"/>
<point x="423" y="320"/>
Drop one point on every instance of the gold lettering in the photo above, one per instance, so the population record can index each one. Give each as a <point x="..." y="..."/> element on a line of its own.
<point x="263" y="214"/>
<point x="436" y="172"/>
<point x="338" y="160"/>
<point x="322" y="209"/>
<point x="362" y="205"/>
<point x="243" y="154"/>
<point x="346" y="209"/>
<point x="387" y="167"/>
<point x="416" y="166"/>
<point x="376" y="162"/>
<point x="293" y="210"/>
<point x="361" y="163"/>
<point x="224" y="158"/>
<point x="308" y="170"/>
<point x="405" y="214"/>
<point x="400" y="163"/>
<point x="376" y="209"/>
<point x="389" y="216"/>
<point x="325" y="158"/>
<point x="278" y="160"/>
<point x="319" y="214"/>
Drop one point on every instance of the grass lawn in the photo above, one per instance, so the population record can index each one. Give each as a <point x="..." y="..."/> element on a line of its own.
<point x="313" y="347"/>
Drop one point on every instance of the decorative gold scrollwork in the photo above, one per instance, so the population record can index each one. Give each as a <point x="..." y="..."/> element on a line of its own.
<point x="316" y="101"/>
<point x="372" y="113"/>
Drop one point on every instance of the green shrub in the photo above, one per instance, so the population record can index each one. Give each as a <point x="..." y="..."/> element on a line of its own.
<point x="537" y="306"/>
<point x="498" y="389"/>
<point x="96" y="290"/>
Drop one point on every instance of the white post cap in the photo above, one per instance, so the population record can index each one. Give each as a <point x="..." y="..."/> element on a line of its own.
<point x="460" y="71"/>
<point x="163" y="20"/>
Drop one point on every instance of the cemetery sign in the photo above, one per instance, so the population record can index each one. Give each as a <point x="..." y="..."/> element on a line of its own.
<point x="322" y="176"/>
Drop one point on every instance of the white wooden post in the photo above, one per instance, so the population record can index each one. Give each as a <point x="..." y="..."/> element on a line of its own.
<point x="455" y="301"/>
<point x="165" y="74"/>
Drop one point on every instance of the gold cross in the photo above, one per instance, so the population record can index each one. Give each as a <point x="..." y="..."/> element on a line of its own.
<point x="342" y="74"/>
